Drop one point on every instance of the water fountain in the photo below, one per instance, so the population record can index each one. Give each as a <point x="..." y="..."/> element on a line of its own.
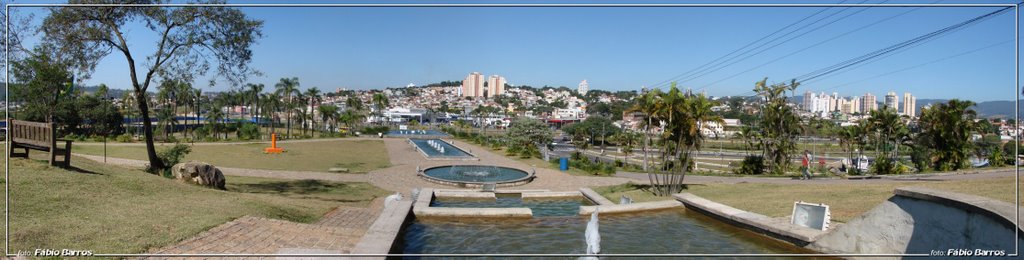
<point x="475" y="174"/>
<point x="391" y="199"/>
<point x="625" y="200"/>
<point x="593" y="236"/>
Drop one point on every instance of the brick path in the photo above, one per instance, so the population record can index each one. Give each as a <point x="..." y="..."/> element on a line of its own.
<point x="336" y="232"/>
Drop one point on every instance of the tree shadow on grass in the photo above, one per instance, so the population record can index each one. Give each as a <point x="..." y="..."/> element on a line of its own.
<point x="72" y="168"/>
<point x="80" y="170"/>
<point x="302" y="189"/>
<point x="289" y="187"/>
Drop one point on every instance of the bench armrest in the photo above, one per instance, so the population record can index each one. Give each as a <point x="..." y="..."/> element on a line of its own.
<point x="65" y="140"/>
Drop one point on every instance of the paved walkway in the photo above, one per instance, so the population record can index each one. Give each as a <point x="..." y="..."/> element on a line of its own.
<point x="336" y="232"/>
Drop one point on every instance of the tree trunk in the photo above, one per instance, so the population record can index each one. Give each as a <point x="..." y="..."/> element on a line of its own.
<point x="147" y="127"/>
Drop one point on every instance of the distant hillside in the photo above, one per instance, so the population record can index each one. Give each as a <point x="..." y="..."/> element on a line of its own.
<point x="1000" y="108"/>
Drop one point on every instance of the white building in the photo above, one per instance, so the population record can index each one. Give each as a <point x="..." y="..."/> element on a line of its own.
<point x="892" y="101"/>
<point x="583" y="87"/>
<point x="909" y="104"/>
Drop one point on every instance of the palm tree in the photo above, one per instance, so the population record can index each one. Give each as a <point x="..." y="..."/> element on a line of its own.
<point x="213" y="119"/>
<point x="329" y="113"/>
<point x="946" y="128"/>
<point x="648" y="105"/>
<point x="313" y="94"/>
<point x="380" y="102"/>
<point x="348" y="117"/>
<point x="198" y="105"/>
<point x="627" y="140"/>
<point x="286" y="88"/>
<point x="300" y="110"/>
<point x="255" y="90"/>
<point x="273" y="104"/>
<point x="128" y="106"/>
<point x="685" y="116"/>
<point x="186" y="100"/>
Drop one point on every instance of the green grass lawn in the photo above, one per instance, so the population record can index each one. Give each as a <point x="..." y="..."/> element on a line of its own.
<point x="846" y="201"/>
<point x="356" y="155"/>
<point x="109" y="209"/>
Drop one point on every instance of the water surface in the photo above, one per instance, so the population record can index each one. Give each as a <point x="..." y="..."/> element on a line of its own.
<point x="659" y="232"/>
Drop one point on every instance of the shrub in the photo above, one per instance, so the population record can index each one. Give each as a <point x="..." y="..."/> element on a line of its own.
<point x="373" y="130"/>
<point x="172" y="156"/>
<point x="124" y="138"/>
<point x="751" y="165"/>
<point x="202" y="132"/>
<point x="248" y="132"/>
<point x="886" y="165"/>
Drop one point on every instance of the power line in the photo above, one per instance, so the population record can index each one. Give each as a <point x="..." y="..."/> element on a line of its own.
<point x="741" y="48"/>
<point x="780" y="43"/>
<point x="890" y="49"/>
<point x="872" y="55"/>
<point x="921" y="64"/>
<point x="809" y="47"/>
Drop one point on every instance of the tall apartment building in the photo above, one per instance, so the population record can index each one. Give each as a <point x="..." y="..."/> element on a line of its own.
<point x="855" y="106"/>
<point x="495" y="85"/>
<point x="834" y="104"/>
<point x="909" y="104"/>
<point x="809" y="100"/>
<point x="847" y="107"/>
<point x="473" y="85"/>
<point x="583" y="87"/>
<point x="868" y="103"/>
<point x="892" y="101"/>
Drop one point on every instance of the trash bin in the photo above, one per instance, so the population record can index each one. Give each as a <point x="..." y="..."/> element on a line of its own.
<point x="563" y="164"/>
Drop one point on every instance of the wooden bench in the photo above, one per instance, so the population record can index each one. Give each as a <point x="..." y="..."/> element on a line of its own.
<point x="38" y="136"/>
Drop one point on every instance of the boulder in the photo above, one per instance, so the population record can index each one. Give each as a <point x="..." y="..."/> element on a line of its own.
<point x="199" y="173"/>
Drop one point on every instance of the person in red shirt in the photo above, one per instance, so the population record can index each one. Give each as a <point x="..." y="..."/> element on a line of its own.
<point x="807" y="165"/>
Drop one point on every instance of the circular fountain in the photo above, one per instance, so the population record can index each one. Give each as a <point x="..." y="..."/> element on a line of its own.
<point x="476" y="175"/>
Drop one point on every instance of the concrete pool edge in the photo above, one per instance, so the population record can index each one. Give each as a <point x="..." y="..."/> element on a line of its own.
<point x="423" y="209"/>
<point x="595" y="197"/>
<point x="381" y="236"/>
<point x="633" y="207"/>
<point x="774" y="228"/>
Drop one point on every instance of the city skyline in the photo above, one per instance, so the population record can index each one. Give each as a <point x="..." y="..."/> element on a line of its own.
<point x="619" y="48"/>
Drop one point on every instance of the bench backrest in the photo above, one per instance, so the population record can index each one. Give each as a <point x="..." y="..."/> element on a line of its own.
<point x="34" y="133"/>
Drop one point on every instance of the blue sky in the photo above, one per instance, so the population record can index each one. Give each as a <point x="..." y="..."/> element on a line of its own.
<point x="617" y="48"/>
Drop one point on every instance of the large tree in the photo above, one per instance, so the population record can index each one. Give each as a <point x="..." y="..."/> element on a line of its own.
<point x="41" y="82"/>
<point x="190" y="40"/>
<point x="525" y="134"/>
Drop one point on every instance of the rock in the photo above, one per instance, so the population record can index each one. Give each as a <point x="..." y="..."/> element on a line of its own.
<point x="337" y="169"/>
<point x="199" y="173"/>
